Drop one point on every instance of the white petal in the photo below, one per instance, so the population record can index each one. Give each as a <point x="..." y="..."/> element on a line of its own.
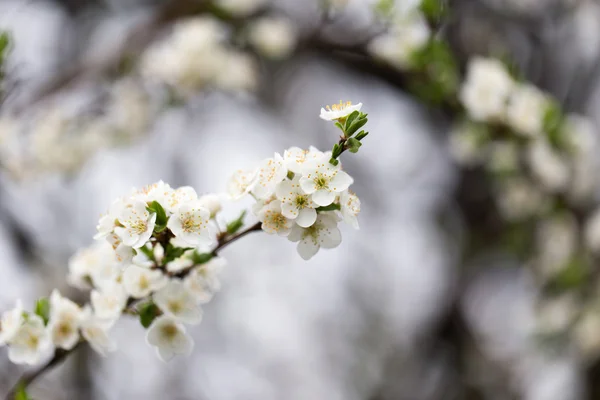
<point x="165" y="353"/>
<point x="308" y="185"/>
<point x="323" y="197"/>
<point x="307" y="217"/>
<point x="307" y="248"/>
<point x="341" y="181"/>
<point x="333" y="239"/>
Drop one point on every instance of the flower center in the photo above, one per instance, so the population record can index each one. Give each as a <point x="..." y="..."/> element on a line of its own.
<point x="64" y="329"/>
<point x="33" y="341"/>
<point x="321" y="182"/>
<point x="174" y="306"/>
<point x="301" y="201"/>
<point x="190" y="224"/>
<point x="339" y="107"/>
<point x="140" y="226"/>
<point x="144" y="283"/>
<point x="169" y="331"/>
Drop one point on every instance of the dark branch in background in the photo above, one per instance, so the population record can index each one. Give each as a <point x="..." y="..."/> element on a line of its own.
<point x="60" y="355"/>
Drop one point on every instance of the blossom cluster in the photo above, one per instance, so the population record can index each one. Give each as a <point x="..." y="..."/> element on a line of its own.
<point x="156" y="251"/>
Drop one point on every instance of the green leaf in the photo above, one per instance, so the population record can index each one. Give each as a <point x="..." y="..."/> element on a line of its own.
<point x="333" y="162"/>
<point x="350" y="119"/>
<point x="336" y="151"/>
<point x="147" y="252"/>
<point x="340" y="126"/>
<point x="361" y="135"/>
<point x="434" y="10"/>
<point x="42" y="308"/>
<point x="161" y="216"/>
<point x="237" y="224"/>
<point x="553" y="124"/>
<point x="148" y="313"/>
<point x="201" y="258"/>
<point x="172" y="253"/>
<point x="21" y="393"/>
<point x="331" y="207"/>
<point x="353" y="145"/>
<point x="359" y="123"/>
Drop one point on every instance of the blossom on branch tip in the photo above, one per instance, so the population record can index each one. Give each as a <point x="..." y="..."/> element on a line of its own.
<point x="339" y="111"/>
<point x="169" y="338"/>
<point x="324" y="181"/>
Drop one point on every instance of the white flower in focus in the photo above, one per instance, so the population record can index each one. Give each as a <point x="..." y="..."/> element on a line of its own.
<point x="324" y="233"/>
<point x="526" y="109"/>
<point x="138" y="224"/>
<point x="241" y="7"/>
<point x="339" y="111"/>
<point x="409" y="33"/>
<point x="176" y="198"/>
<point x="240" y="183"/>
<point x="273" y="37"/>
<point x="295" y="204"/>
<point x="31" y="343"/>
<point x="169" y="338"/>
<point x="10" y="323"/>
<point x="269" y="174"/>
<point x="549" y="167"/>
<point x="273" y="221"/>
<point x="96" y="265"/>
<point x="212" y="202"/>
<point x="486" y="89"/>
<point x="177" y="302"/>
<point x="350" y="208"/>
<point x="158" y="191"/>
<point x="519" y="199"/>
<point x="109" y="302"/>
<point x="296" y="158"/>
<point x="190" y="223"/>
<point x="139" y="282"/>
<point x="123" y="253"/>
<point x="65" y="317"/>
<point x="239" y="72"/>
<point x="324" y="181"/>
<point x="203" y="282"/>
<point x="108" y="222"/>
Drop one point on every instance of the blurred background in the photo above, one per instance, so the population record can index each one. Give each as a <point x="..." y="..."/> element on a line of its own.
<point x="422" y="303"/>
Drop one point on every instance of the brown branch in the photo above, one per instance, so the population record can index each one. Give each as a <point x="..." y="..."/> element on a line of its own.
<point x="60" y="355"/>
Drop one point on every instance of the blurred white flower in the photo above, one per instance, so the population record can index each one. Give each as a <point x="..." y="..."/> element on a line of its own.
<point x="592" y="232"/>
<point x="65" y="318"/>
<point x="129" y="108"/>
<point x="557" y="314"/>
<point x="518" y="199"/>
<point x="239" y="72"/>
<point x="190" y="223"/>
<point x="585" y="334"/>
<point x="339" y="111"/>
<point x="502" y="156"/>
<point x="548" y="166"/>
<point x="95" y="331"/>
<point x="203" y="282"/>
<point x="273" y="221"/>
<point x="137" y="224"/>
<point x="350" y="208"/>
<point x="177" y="302"/>
<point x="409" y="33"/>
<point x="96" y="265"/>
<point x="272" y="37"/>
<point x="212" y="202"/>
<point x="466" y="144"/>
<point x="240" y="183"/>
<point x="31" y="343"/>
<point x="169" y="338"/>
<point x="486" y="89"/>
<point x="324" y="181"/>
<point x="181" y="263"/>
<point x="269" y="174"/>
<point x="526" y="109"/>
<point x="10" y="323"/>
<point x="139" y="282"/>
<point x="324" y="233"/>
<point x="109" y="302"/>
<point x="556" y="242"/>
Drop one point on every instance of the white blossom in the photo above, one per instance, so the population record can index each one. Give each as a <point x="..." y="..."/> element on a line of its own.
<point x="169" y="338"/>
<point x="518" y="199"/>
<point x="10" y="323"/>
<point x="123" y="253"/>
<point x="139" y="282"/>
<point x="295" y="204"/>
<point x="212" y="202"/>
<point x="324" y="233"/>
<point x="31" y="343"/>
<point x="272" y="37"/>
<point x="109" y="221"/>
<point x="190" y="223"/>
<point x="178" y="197"/>
<point x="548" y="166"/>
<point x="296" y="158"/>
<point x="324" y="181"/>
<point x="65" y="318"/>
<point x="95" y="331"/>
<point x="138" y="224"/>
<point x="339" y="111"/>
<point x="556" y="242"/>
<point x="239" y="72"/>
<point x="466" y="144"/>
<point x="502" y="156"/>
<point x="240" y="183"/>
<point x="350" y="208"/>
<point x="269" y="174"/>
<point x="526" y="109"/>
<point x="273" y="221"/>
<point x="109" y="302"/>
<point x="409" y="33"/>
<point x="486" y="89"/>
<point x="203" y="281"/>
<point x="177" y="302"/>
<point x="96" y="265"/>
<point x="181" y="263"/>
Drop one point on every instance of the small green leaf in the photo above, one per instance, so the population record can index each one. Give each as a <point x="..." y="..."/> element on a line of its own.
<point x="161" y="216"/>
<point x="42" y="308"/>
<point x="361" y="135"/>
<point x="201" y="258"/>
<point x="237" y="224"/>
<point x="21" y="393"/>
<point x="336" y="151"/>
<point x="350" y="119"/>
<point x="553" y="124"/>
<point x="172" y="253"/>
<point x="340" y="126"/>
<point x="359" y="123"/>
<point x="148" y="313"/>
<point x="331" y="207"/>
<point x="353" y="145"/>
<point x="333" y="162"/>
<point x="147" y="252"/>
